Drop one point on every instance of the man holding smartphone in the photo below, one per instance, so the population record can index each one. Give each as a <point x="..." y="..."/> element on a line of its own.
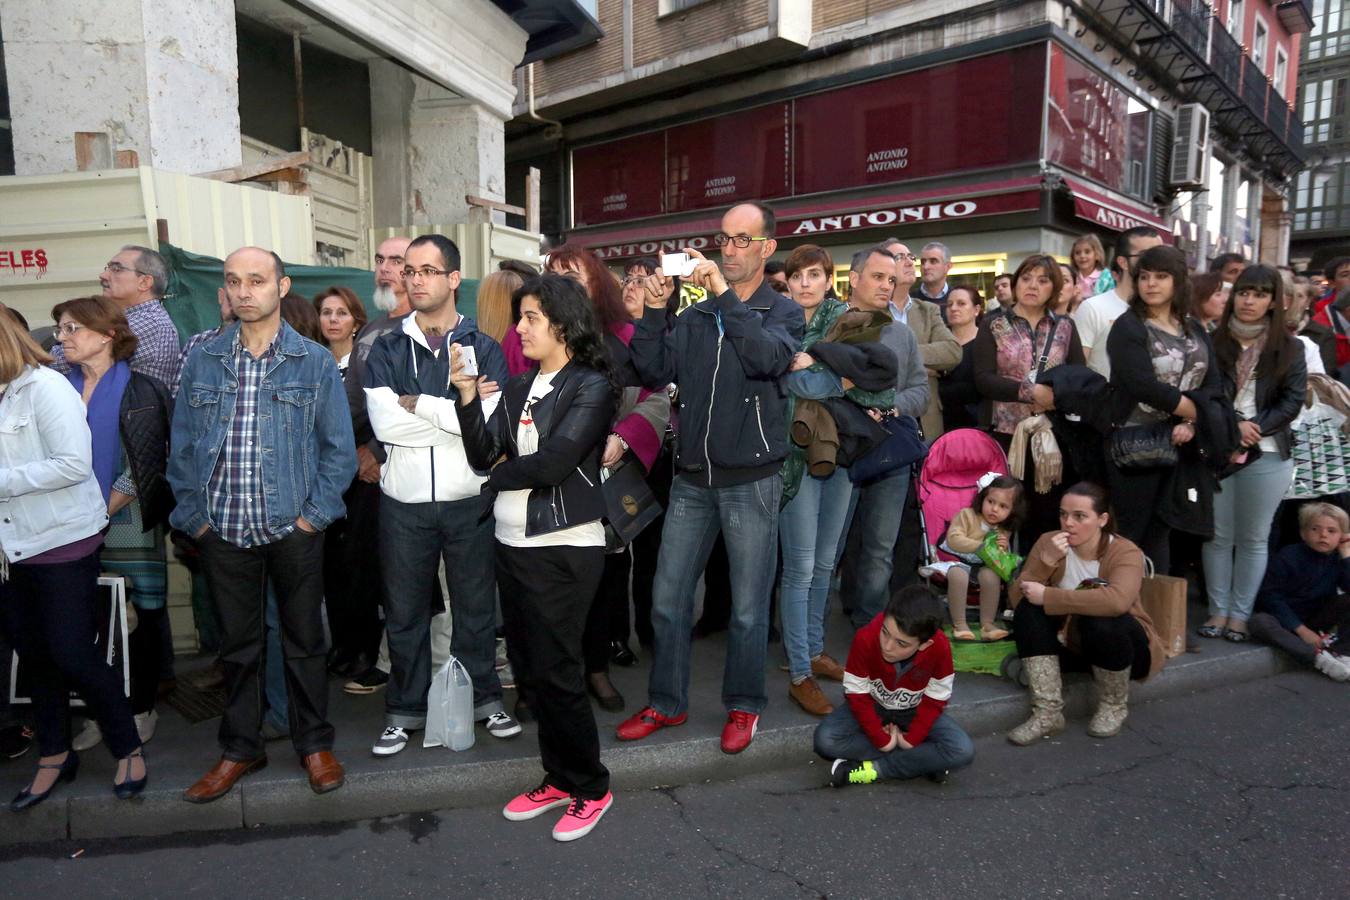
<point x="431" y="509"/>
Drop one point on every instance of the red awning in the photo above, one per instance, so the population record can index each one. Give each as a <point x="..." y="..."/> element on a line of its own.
<point x="808" y="218"/>
<point x="1111" y="211"/>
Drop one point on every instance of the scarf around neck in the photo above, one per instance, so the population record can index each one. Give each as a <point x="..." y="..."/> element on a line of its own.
<point x="103" y="414"/>
<point x="1251" y="354"/>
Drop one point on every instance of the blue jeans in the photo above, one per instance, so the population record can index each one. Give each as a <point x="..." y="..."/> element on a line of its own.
<point x="875" y="510"/>
<point x="1235" y="560"/>
<point x="808" y="531"/>
<point x="947" y="747"/>
<point x="274" y="668"/>
<point x="414" y="537"/>
<point x="747" y="516"/>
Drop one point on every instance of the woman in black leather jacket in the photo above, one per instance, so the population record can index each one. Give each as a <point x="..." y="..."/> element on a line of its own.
<point x="1265" y="377"/>
<point x="543" y="447"/>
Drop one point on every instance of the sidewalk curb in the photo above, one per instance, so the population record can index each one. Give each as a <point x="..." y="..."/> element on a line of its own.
<point x="274" y="797"/>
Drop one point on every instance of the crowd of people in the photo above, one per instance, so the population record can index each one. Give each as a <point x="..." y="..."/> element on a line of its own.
<point x="322" y="469"/>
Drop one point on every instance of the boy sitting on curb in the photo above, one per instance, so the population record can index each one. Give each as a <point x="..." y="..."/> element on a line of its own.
<point x="897" y="682"/>
<point x="1301" y="607"/>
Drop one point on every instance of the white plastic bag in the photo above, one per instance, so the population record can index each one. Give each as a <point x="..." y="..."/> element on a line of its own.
<point x="450" y="708"/>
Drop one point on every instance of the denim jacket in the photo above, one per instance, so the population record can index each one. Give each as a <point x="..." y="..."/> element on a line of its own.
<point x="48" y="494"/>
<point x="304" y="428"/>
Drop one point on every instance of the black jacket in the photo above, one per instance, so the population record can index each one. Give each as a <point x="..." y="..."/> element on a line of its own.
<point x="563" y="475"/>
<point x="144" y="417"/>
<point x="732" y="405"/>
<point x="1278" y="400"/>
<point x="1132" y="378"/>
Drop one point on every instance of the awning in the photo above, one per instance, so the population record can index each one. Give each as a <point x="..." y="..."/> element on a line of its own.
<point x="1109" y="211"/>
<point x="811" y="218"/>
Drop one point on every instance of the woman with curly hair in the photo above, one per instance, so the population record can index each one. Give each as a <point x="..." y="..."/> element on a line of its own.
<point x="543" y="446"/>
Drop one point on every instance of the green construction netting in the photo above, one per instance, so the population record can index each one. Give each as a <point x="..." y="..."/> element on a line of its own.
<point x="193" y="280"/>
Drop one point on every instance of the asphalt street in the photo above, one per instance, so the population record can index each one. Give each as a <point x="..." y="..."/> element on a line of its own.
<point x="1234" y="792"/>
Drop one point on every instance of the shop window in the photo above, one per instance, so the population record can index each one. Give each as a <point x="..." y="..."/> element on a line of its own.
<point x="1096" y="127"/>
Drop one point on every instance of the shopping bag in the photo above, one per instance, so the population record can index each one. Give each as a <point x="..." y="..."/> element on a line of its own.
<point x="1320" y="450"/>
<point x="450" y="708"/>
<point x="110" y="636"/>
<point x="1164" y="600"/>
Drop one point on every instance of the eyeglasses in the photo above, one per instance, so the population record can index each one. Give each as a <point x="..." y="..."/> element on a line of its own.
<point x="117" y="268"/>
<point x="633" y="280"/>
<point x="427" y="272"/>
<point x="907" y="257"/>
<point x="69" y="328"/>
<point x="740" y="240"/>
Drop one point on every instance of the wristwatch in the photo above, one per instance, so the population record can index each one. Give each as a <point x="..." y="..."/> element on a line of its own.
<point x="622" y="442"/>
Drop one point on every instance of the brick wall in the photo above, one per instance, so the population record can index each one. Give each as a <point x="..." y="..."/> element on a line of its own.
<point x="655" y="39"/>
<point x="605" y="57"/>
<point x="831" y="13"/>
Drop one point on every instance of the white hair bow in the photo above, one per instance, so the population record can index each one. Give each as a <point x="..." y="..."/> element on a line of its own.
<point x="986" y="479"/>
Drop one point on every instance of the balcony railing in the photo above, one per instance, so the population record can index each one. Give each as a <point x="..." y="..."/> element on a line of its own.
<point x="1225" y="54"/>
<point x="1190" y="23"/>
<point x="1277" y="117"/>
<point x="1254" y="88"/>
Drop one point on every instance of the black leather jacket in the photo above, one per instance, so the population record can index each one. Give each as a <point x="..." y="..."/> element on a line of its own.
<point x="1278" y="401"/>
<point x="563" y="476"/>
<point x="144" y="417"/>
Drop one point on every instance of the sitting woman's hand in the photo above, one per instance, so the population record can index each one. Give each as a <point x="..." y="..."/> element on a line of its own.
<point x="1182" y="432"/>
<point x="1056" y="549"/>
<point x="1034" y="592"/>
<point x="802" y="361"/>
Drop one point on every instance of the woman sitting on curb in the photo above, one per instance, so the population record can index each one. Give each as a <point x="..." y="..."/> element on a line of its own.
<point x="1082" y="582"/>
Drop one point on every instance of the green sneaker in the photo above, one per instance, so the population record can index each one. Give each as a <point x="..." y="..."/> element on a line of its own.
<point x="849" y="771"/>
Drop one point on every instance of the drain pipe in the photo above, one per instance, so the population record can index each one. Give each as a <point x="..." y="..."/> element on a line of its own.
<point x="554" y="131"/>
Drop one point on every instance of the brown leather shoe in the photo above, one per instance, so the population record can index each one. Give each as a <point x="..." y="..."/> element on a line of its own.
<point x="808" y="695"/>
<point x="325" y="772"/>
<point x="825" y="666"/>
<point x="217" y="782"/>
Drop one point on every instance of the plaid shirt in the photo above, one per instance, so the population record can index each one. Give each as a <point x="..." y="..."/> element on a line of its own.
<point x="234" y="498"/>
<point x="193" y="343"/>
<point x="156" y="345"/>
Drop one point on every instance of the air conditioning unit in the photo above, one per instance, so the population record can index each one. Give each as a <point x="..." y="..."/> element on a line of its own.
<point x="1190" y="147"/>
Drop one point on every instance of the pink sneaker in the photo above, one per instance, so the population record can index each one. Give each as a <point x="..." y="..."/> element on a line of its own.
<point x="739" y="730"/>
<point x="535" y="803"/>
<point x="581" y="817"/>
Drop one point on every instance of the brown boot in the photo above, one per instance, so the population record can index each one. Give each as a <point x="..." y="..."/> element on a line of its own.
<point x="825" y="666"/>
<point x="808" y="695"/>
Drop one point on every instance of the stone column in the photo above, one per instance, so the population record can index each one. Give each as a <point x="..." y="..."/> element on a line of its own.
<point x="159" y="78"/>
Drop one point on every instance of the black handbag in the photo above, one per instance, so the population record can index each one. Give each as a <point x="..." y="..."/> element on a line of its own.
<point x="902" y="447"/>
<point x="1142" y="447"/>
<point x="630" y="505"/>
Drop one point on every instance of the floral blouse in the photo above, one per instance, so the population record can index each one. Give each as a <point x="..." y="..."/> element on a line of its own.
<point x="1007" y="357"/>
<point x="1180" y="360"/>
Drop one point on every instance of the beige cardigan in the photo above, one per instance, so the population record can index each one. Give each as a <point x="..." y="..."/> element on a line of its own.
<point x="966" y="534"/>
<point x="1122" y="568"/>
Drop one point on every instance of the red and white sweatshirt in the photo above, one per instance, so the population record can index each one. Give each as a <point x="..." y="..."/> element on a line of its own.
<point x="925" y="686"/>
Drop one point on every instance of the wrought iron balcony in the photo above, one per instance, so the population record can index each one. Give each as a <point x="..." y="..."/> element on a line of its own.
<point x="1254" y="88"/>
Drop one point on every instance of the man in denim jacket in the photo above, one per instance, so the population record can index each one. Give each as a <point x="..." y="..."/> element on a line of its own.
<point x="261" y="452"/>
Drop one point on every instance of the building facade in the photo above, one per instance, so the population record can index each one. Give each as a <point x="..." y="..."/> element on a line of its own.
<point x="1322" y="194"/>
<point x="998" y="128"/>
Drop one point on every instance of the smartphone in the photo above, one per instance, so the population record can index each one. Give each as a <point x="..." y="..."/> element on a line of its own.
<point x="680" y="264"/>
<point x="469" y="357"/>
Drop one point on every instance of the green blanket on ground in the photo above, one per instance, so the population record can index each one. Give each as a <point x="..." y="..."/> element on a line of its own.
<point x="978" y="656"/>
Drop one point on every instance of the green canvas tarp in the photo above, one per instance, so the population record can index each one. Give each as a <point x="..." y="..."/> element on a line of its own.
<point x="194" y="279"/>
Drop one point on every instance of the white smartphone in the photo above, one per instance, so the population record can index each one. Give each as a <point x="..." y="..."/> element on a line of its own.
<point x="469" y="357"/>
<point x="681" y="264"/>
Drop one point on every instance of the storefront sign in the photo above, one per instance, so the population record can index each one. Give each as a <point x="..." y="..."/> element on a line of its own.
<point x="28" y="261"/>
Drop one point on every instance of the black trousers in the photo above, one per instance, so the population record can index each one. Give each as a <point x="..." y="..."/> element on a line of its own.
<point x="1107" y="642"/>
<point x="49" y="615"/>
<point x="546" y="593"/>
<point x="608" y="617"/>
<point x="238" y="578"/>
<point x="1135" y="498"/>
<point x="646" y="548"/>
<point x="145" y="648"/>
<point x="353" y="588"/>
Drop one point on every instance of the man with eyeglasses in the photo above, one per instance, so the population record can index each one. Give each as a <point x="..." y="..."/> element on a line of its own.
<point x="937" y="345"/>
<point x="431" y="509"/>
<point x="1094" y="316"/>
<point x="136" y="279"/>
<point x="935" y="261"/>
<point x="727" y="353"/>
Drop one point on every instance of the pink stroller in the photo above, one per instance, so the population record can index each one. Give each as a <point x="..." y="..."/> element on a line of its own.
<point x="947" y="484"/>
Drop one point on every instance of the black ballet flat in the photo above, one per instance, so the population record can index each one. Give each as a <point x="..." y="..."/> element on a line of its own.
<point x="26" y="799"/>
<point x="129" y="788"/>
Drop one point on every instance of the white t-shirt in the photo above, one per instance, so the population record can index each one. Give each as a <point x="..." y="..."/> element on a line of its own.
<point x="1093" y="319"/>
<point x="511" y="506"/>
<point x="1078" y="570"/>
<point x="1312" y="356"/>
<point x="1245" y="403"/>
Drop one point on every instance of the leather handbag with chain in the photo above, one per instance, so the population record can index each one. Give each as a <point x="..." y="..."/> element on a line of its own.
<point x="1142" y="446"/>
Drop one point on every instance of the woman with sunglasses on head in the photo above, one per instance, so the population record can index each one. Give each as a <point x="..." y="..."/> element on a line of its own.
<point x="1265" y="377"/>
<point x="543" y="446"/>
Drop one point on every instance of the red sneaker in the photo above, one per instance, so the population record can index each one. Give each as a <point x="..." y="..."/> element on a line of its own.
<point x="739" y="730"/>
<point x="581" y="817"/>
<point x="647" y="722"/>
<point x="535" y="803"/>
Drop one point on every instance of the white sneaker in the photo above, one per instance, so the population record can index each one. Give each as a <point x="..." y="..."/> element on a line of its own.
<point x="89" y="737"/>
<point x="501" y="725"/>
<point x="145" y="725"/>
<point x="1332" y="665"/>
<point x="391" y="741"/>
